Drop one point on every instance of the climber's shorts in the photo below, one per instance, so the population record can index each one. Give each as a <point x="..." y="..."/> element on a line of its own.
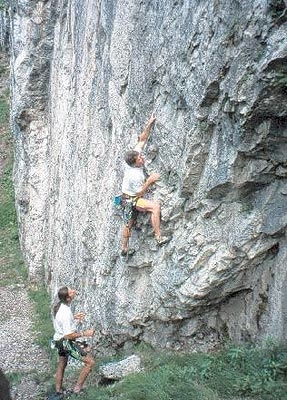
<point x="70" y="348"/>
<point x="140" y="204"/>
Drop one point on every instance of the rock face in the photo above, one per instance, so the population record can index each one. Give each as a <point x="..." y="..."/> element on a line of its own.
<point x="85" y="77"/>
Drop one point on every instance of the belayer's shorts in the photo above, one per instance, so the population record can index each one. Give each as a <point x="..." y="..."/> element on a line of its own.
<point x="70" y="348"/>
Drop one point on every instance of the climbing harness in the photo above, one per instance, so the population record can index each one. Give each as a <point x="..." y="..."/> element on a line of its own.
<point x="127" y="205"/>
<point x="129" y="208"/>
<point x="73" y="348"/>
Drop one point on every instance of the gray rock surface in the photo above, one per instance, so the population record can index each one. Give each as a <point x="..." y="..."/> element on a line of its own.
<point x="119" y="369"/>
<point x="84" y="78"/>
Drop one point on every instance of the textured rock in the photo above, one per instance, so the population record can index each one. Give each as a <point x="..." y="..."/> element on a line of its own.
<point x="4" y="30"/>
<point x="85" y="78"/>
<point x="120" y="369"/>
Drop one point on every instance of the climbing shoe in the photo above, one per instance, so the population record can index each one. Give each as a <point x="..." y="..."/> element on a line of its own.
<point x="126" y="253"/>
<point x="161" y="240"/>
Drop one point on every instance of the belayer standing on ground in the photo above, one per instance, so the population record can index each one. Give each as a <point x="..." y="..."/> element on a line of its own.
<point x="64" y="338"/>
<point x="134" y="187"/>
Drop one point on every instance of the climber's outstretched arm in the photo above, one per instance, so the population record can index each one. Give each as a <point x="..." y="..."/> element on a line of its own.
<point x="143" y="137"/>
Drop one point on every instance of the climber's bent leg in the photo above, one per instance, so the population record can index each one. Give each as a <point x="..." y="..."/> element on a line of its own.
<point x="126" y="236"/>
<point x="153" y="207"/>
<point x="129" y="217"/>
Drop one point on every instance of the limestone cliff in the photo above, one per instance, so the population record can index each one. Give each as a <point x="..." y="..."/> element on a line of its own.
<point x="85" y="77"/>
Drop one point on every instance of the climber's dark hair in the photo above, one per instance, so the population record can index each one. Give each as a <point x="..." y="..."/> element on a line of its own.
<point x="131" y="157"/>
<point x="63" y="294"/>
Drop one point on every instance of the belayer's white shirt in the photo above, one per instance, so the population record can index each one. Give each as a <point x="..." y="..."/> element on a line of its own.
<point x="64" y="322"/>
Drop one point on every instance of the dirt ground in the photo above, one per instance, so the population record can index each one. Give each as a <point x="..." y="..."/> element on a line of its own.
<point x="19" y="353"/>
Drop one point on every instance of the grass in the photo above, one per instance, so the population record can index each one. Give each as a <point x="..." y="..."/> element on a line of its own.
<point x="4" y="107"/>
<point x="247" y="372"/>
<point x="42" y="323"/>
<point x="3" y="5"/>
<point x="11" y="260"/>
<point x="234" y="372"/>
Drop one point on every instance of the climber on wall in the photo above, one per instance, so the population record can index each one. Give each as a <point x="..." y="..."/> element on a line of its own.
<point x="134" y="187"/>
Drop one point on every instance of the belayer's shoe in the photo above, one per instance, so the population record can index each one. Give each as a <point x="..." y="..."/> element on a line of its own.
<point x="126" y="253"/>
<point x="161" y="240"/>
<point x="56" y="396"/>
<point x="61" y="395"/>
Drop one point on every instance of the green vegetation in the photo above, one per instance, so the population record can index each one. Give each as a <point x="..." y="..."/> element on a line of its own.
<point x="250" y="372"/>
<point x="43" y="323"/>
<point x="282" y="80"/>
<point x="15" y="378"/>
<point x="234" y="372"/>
<point x="4" y="107"/>
<point x="12" y="266"/>
<point x="3" y="5"/>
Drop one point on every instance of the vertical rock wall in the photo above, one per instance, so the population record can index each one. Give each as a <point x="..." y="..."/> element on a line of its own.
<point x="31" y="44"/>
<point x="85" y="78"/>
<point x="4" y="29"/>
